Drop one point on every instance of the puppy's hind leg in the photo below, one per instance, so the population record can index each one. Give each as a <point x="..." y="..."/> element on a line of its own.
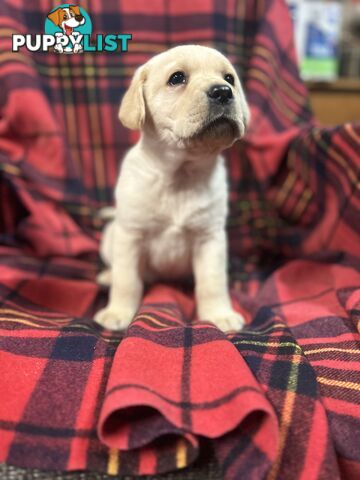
<point x="106" y="246"/>
<point x="104" y="278"/>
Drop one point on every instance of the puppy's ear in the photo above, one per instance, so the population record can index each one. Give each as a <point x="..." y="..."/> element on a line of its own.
<point x="75" y="9"/>
<point x="55" y="17"/>
<point x="132" y="107"/>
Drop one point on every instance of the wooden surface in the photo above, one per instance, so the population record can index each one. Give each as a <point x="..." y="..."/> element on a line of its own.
<point x="335" y="102"/>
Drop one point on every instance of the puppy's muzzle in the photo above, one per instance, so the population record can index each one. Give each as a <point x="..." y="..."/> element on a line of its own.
<point x="79" y="18"/>
<point x="220" y="94"/>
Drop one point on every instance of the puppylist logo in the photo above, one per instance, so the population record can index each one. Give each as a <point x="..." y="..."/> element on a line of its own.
<point x="68" y="29"/>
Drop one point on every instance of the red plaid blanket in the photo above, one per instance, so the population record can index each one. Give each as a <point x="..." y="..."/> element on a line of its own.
<point x="281" y="399"/>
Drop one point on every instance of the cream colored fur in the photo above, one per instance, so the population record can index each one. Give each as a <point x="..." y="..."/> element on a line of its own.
<point x="171" y="194"/>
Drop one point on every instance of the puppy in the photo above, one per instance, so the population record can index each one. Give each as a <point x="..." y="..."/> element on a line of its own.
<point x="67" y="18"/>
<point x="171" y="194"/>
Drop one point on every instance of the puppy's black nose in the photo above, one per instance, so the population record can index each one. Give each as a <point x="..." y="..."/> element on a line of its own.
<point x="78" y="18"/>
<point x="220" y="93"/>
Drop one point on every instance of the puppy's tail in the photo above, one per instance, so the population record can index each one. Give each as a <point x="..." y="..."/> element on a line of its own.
<point x="107" y="213"/>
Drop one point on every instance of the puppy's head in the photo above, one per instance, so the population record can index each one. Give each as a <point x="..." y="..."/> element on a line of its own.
<point x="67" y="18"/>
<point x="188" y="96"/>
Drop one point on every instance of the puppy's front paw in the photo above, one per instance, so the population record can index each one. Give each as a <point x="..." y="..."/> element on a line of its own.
<point x="114" y="319"/>
<point x="226" y="319"/>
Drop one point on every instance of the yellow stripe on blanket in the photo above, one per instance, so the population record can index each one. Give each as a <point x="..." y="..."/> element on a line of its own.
<point x="339" y="383"/>
<point x="114" y="461"/>
<point x="181" y="454"/>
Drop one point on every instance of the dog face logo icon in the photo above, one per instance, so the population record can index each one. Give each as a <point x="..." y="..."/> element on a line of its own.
<point x="68" y="23"/>
<point x="68" y="29"/>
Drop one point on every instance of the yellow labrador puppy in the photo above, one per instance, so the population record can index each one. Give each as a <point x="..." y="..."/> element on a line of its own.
<point x="171" y="194"/>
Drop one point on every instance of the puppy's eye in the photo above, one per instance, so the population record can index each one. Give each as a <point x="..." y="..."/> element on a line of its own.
<point x="177" y="78"/>
<point x="65" y="17"/>
<point x="230" y="78"/>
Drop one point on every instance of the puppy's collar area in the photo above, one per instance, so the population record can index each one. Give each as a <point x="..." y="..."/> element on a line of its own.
<point x="172" y="159"/>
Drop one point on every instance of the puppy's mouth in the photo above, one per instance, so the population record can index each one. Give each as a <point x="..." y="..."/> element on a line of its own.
<point x="68" y="30"/>
<point x="223" y="126"/>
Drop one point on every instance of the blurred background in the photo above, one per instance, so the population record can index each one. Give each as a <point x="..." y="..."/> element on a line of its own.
<point x="327" y="36"/>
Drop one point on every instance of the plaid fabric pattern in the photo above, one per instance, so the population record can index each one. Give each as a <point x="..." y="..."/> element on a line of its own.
<point x="281" y="399"/>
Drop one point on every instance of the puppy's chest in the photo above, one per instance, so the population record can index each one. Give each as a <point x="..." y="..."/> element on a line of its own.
<point x="177" y="213"/>
<point x="171" y="229"/>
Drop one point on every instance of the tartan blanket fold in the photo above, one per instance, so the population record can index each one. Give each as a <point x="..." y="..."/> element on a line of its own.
<point x="142" y="405"/>
<point x="278" y="400"/>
